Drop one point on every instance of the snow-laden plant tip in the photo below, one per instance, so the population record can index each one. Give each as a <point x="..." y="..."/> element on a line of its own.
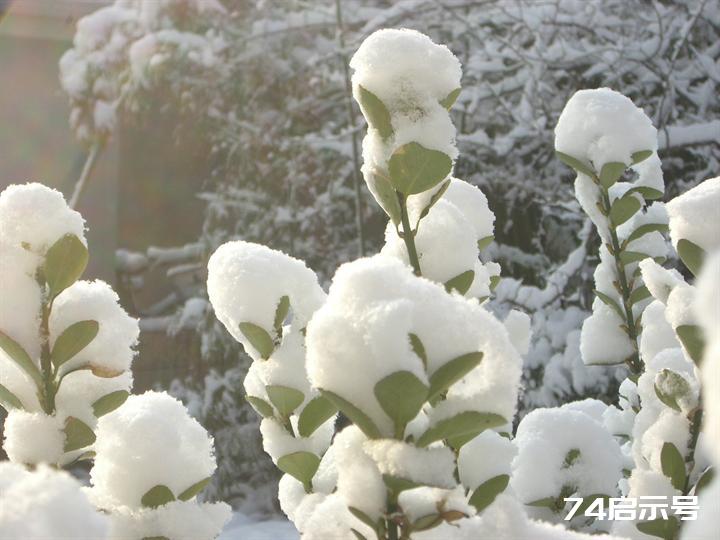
<point x="389" y="402"/>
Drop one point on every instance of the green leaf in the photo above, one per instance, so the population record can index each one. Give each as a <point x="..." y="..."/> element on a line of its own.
<point x="258" y="338"/>
<point x="463" y="427"/>
<point x="485" y="242"/>
<point x="362" y="516"/>
<point x="109" y="402"/>
<point x="642" y="230"/>
<point x="157" y="496"/>
<point x="401" y="395"/>
<point x="77" y="434"/>
<point x="692" y="339"/>
<point x="356" y="416"/>
<point x="375" y="112"/>
<point x="546" y="502"/>
<point x="642" y="155"/>
<point x="193" y="490"/>
<point x="450" y="99"/>
<point x="662" y="528"/>
<point x="670" y="387"/>
<point x="571" y="457"/>
<point x="418" y="348"/>
<point x="576" y="164"/>
<point x="425" y="523"/>
<point x="318" y="411"/>
<point x="262" y="407"/>
<point x="623" y="209"/>
<point x="608" y="301"/>
<point x="155" y="538"/>
<point x="587" y="501"/>
<point x="486" y="492"/>
<point x="65" y="262"/>
<point x="385" y="194"/>
<point x="8" y="400"/>
<point x="461" y="283"/>
<point x="673" y="465"/>
<point x="435" y="198"/>
<point x="301" y="465"/>
<point x="13" y="349"/>
<point x="705" y="478"/>
<point x="451" y="372"/>
<point x="281" y="313"/>
<point x="639" y="294"/>
<point x="494" y="282"/>
<point x="414" y="168"/>
<point x="285" y="399"/>
<point x="691" y="255"/>
<point x="648" y="193"/>
<point x="358" y="535"/>
<point x="628" y="257"/>
<point x="74" y="339"/>
<point x="611" y="173"/>
<point x="396" y="484"/>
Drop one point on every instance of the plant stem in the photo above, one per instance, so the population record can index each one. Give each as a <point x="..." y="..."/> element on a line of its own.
<point x="45" y="363"/>
<point x="634" y="362"/>
<point x="392" y="530"/>
<point x="88" y="168"/>
<point x="408" y="235"/>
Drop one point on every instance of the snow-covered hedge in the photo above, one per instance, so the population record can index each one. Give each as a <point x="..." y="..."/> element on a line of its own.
<point x="66" y="347"/>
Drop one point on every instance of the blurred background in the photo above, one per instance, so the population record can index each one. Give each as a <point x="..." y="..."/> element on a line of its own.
<point x="194" y="122"/>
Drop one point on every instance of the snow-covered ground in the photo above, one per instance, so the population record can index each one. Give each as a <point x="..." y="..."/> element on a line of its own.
<point x="241" y="527"/>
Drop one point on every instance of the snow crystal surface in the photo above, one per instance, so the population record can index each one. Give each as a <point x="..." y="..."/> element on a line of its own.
<point x="488" y="455"/>
<point x="602" y="341"/>
<point x="150" y="440"/>
<point x="33" y="437"/>
<point x="45" y="503"/>
<point x="603" y="126"/>
<point x="473" y="204"/>
<point x="425" y="501"/>
<point x="695" y="215"/>
<point x="112" y="347"/>
<point x="430" y="466"/>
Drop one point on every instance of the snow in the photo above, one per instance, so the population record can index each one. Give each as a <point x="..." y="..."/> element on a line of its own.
<point x="278" y="442"/>
<point x="246" y="282"/>
<point x="517" y="325"/>
<point x="588" y="194"/>
<point x="488" y="455"/>
<point x="33" y="437"/>
<point x="602" y="341"/>
<point x="429" y="466"/>
<point x="425" y="501"/>
<point x="545" y="437"/>
<point x="659" y="281"/>
<point x="657" y="334"/>
<point x="241" y="527"/>
<point x="680" y="302"/>
<point x="695" y="215"/>
<point x="45" y="503"/>
<point x="112" y="349"/>
<point x="473" y="204"/>
<point x="35" y="216"/>
<point x="150" y="440"/>
<point x="603" y="126"/>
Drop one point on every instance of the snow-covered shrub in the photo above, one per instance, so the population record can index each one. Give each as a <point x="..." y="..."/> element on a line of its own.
<point x="45" y="503"/>
<point x="66" y="347"/>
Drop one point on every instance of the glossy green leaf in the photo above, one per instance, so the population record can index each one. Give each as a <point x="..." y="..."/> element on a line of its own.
<point x="77" y="434"/>
<point x="642" y="230"/>
<point x="435" y="198"/>
<point x="576" y="164"/>
<point x="301" y="465"/>
<point x="611" y="173"/>
<point x="692" y="340"/>
<point x="318" y="411"/>
<point x="670" y="387"/>
<point x="673" y="465"/>
<point x="8" y="400"/>
<point x="466" y="424"/>
<point x="193" y="490"/>
<point x="587" y="501"/>
<point x="157" y="496"/>
<point x="281" y="313"/>
<point x="401" y="395"/>
<point x="461" y="283"/>
<point x="356" y="416"/>
<point x="375" y="111"/>
<point x="385" y="194"/>
<point x="16" y="353"/>
<point x="262" y="407"/>
<point x="451" y="372"/>
<point x="628" y="257"/>
<point x="418" y="348"/>
<point x="486" y="492"/>
<point x="362" y="516"/>
<point x="74" y="339"/>
<point x="65" y="262"/>
<point x="425" y="523"/>
<point x="494" y="282"/>
<point x="358" y="535"/>
<point x="414" y="168"/>
<point x="285" y="399"/>
<point x="546" y="502"/>
<point x="396" y="484"/>
<point x="571" y="458"/>
<point x="691" y="255"/>
<point x="648" y="193"/>
<point x="258" y="338"/>
<point x="485" y="242"/>
<point x="639" y="294"/>
<point x="623" y="209"/>
<point x="608" y="301"/>
<point x="662" y="528"/>
<point x="109" y="402"/>
<point x="642" y="155"/>
<point x="704" y="481"/>
<point x="450" y="99"/>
